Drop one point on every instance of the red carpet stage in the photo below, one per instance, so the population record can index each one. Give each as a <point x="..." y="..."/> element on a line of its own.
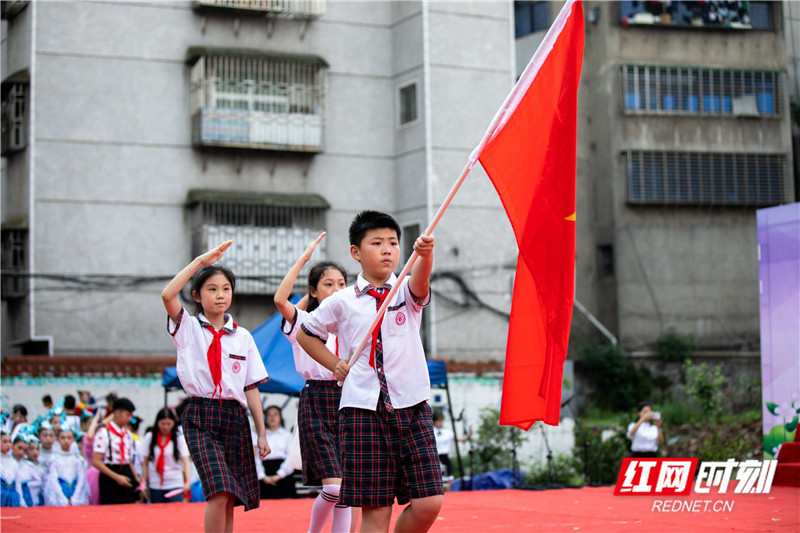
<point x="593" y="510"/>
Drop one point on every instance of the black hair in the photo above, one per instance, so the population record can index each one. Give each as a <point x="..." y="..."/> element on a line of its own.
<point x="123" y="403"/>
<point x="69" y="402"/>
<point x="165" y="413"/>
<point x="202" y="275"/>
<point x="47" y="398"/>
<point x="437" y="415"/>
<point x="367" y="220"/>
<point x="642" y="405"/>
<point x="19" y="408"/>
<point x="279" y="412"/>
<point x="315" y="274"/>
<point x="17" y="439"/>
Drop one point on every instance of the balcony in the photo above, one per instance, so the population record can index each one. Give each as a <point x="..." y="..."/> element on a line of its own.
<point x="288" y="9"/>
<point x="266" y="102"/>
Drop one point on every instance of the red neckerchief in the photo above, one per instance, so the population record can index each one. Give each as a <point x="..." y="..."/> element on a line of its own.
<point x="381" y="297"/>
<point x="160" y="460"/>
<point x="214" y="356"/>
<point x="121" y="436"/>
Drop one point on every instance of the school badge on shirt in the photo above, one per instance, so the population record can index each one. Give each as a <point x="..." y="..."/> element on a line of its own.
<point x="400" y="318"/>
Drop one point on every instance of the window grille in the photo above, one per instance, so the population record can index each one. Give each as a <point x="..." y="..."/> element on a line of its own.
<point x="703" y="178"/>
<point x="258" y="102"/>
<point x="14" y="263"/>
<point x="14" y="135"/>
<point x="291" y="9"/>
<point x="661" y="90"/>
<point x="267" y="237"/>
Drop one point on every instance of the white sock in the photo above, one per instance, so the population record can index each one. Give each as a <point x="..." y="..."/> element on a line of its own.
<point x="341" y="519"/>
<point x="323" y="506"/>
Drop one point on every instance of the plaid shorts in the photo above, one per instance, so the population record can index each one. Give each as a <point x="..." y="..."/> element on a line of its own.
<point x="318" y="419"/>
<point x="386" y="456"/>
<point x="218" y="436"/>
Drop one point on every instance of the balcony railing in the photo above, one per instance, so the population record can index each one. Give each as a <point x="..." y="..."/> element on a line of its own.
<point x="292" y="9"/>
<point x="258" y="102"/>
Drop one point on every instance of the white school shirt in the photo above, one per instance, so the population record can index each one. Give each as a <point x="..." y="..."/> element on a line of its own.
<point x="645" y="439"/>
<point x="173" y="470"/>
<point x="242" y="366"/>
<point x="280" y="441"/>
<point x="444" y="438"/>
<point x="303" y="363"/>
<point x="347" y="314"/>
<point x="105" y="440"/>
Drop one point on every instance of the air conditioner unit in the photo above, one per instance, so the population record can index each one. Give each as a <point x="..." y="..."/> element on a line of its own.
<point x="745" y="106"/>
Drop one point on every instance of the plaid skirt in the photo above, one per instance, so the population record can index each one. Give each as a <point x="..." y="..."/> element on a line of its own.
<point x="388" y="455"/>
<point x="318" y="419"/>
<point x="218" y="436"/>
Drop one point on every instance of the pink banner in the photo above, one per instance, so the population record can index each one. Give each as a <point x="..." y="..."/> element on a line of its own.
<point x="779" y="296"/>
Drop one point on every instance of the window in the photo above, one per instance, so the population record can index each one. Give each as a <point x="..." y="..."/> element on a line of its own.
<point x="292" y="9"/>
<point x="270" y="103"/>
<point x="699" y="15"/>
<point x="530" y="17"/>
<point x="407" y="96"/>
<point x="701" y="178"/>
<point x="410" y="234"/>
<point x="656" y="90"/>
<point x="14" y="262"/>
<point x="269" y="231"/>
<point x="605" y="261"/>
<point x="14" y="121"/>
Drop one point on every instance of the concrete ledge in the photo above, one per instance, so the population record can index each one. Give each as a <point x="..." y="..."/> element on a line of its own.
<point x="84" y="365"/>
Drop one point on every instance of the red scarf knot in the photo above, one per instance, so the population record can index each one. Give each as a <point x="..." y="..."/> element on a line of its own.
<point x="214" y="356"/>
<point x="160" y="460"/>
<point x="381" y="297"/>
<point x="121" y="436"/>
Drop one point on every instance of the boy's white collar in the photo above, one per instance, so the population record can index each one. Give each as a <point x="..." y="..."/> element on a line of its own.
<point x="362" y="283"/>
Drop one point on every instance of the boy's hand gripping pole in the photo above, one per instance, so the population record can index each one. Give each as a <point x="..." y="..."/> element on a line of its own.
<point x="410" y="263"/>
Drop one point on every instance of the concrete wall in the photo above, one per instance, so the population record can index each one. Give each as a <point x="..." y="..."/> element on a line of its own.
<point x="114" y="161"/>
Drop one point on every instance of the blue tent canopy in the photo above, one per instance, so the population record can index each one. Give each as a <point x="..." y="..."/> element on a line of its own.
<point x="438" y="373"/>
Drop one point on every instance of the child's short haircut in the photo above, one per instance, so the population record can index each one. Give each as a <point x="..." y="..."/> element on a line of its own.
<point x="367" y="220"/>
<point x="124" y="404"/>
<point x="69" y="401"/>
<point x="437" y="415"/>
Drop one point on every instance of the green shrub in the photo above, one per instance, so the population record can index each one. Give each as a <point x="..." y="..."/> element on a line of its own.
<point x="673" y="346"/>
<point x="677" y="413"/>
<point x="616" y="381"/>
<point x="494" y="444"/>
<point x="562" y="471"/>
<point x="704" y="386"/>
<point x="600" y="463"/>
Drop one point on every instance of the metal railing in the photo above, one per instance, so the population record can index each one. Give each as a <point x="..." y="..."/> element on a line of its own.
<point x="257" y="102"/>
<point x="294" y="9"/>
<point x="663" y="90"/>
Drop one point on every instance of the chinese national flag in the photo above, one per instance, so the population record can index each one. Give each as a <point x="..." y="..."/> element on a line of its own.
<point x="529" y="154"/>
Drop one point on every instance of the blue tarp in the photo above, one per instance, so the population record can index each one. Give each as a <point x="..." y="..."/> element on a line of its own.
<point x="276" y="352"/>
<point x="497" y="479"/>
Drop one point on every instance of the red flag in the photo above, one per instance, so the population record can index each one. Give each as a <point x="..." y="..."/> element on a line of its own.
<point x="529" y="153"/>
